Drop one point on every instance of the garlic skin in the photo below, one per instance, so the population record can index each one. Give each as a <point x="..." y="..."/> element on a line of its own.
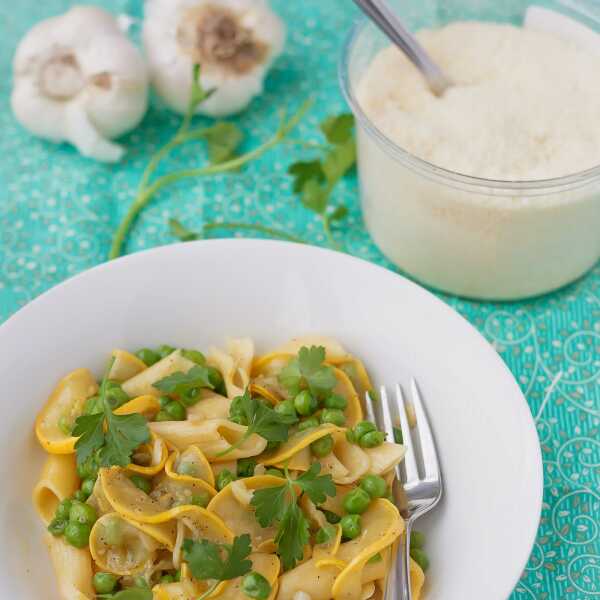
<point x="234" y="41"/>
<point x="77" y="78"/>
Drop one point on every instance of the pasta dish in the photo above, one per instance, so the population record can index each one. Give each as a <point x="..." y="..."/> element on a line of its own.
<point x="228" y="475"/>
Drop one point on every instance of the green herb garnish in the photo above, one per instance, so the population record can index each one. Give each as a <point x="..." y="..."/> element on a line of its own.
<point x="261" y="420"/>
<point x="315" y="180"/>
<point x="280" y="503"/>
<point x="220" y="562"/>
<point x="307" y="371"/>
<point x="180" y="384"/>
<point x="113" y="437"/>
<point x="222" y="141"/>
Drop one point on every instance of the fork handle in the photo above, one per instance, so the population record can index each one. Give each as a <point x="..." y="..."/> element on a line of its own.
<point x="403" y="564"/>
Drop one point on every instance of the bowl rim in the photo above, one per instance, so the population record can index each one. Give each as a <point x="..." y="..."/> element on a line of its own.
<point x="531" y="187"/>
<point x="252" y="243"/>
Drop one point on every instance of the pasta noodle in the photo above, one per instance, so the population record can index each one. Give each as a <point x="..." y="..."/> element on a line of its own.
<point x="231" y="476"/>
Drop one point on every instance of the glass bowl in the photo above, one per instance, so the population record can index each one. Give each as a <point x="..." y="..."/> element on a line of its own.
<point x="469" y="236"/>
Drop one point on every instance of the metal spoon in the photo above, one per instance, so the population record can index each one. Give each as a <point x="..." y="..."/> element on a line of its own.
<point x="383" y="16"/>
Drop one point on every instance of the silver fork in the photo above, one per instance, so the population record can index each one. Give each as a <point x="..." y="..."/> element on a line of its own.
<point x="420" y="473"/>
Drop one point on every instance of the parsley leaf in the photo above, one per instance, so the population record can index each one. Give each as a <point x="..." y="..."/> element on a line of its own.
<point x="261" y="420"/>
<point x="180" y="383"/>
<point x="280" y="503"/>
<point x="308" y="371"/>
<point x="317" y="487"/>
<point x="315" y="180"/>
<point x="292" y="536"/>
<point x="123" y="434"/>
<point x="222" y="140"/>
<point x="206" y="559"/>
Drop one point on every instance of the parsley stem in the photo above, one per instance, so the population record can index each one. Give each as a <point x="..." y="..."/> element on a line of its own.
<point x="209" y="591"/>
<point x="237" y="444"/>
<point x="145" y="195"/>
<point x="329" y="234"/>
<point x="260" y="228"/>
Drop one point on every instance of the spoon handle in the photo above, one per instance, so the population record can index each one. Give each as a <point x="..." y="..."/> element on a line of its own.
<point x="381" y="14"/>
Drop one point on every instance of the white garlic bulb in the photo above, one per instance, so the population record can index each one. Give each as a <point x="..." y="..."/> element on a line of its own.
<point x="78" y="79"/>
<point x="234" y="41"/>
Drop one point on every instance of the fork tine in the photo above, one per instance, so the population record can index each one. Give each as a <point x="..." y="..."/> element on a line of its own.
<point x="369" y="410"/>
<point x="428" y="450"/>
<point x="387" y="419"/>
<point x="410" y="463"/>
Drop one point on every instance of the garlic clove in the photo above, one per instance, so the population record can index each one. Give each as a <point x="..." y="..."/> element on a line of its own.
<point x="78" y="78"/>
<point x="235" y="41"/>
<point x="82" y="133"/>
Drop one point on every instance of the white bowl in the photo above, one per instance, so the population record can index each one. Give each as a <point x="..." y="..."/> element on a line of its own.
<point x="196" y="294"/>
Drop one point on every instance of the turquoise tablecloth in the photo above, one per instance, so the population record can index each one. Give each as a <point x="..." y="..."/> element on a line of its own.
<point x="58" y="212"/>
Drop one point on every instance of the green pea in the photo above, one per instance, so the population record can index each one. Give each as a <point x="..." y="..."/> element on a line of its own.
<point x="363" y="427"/>
<point x="305" y="404"/>
<point x="225" y="477"/>
<point x="322" y="447"/>
<point x="194" y="356"/>
<point x="177" y="575"/>
<point x="375" y="559"/>
<point x="87" y="486"/>
<point x="88" y="469"/>
<point x="308" y="423"/>
<point x="254" y="585"/>
<point x="350" y="436"/>
<point x="274" y="472"/>
<point x="163" y="401"/>
<point x="167" y="579"/>
<point x="417" y="540"/>
<point x="287" y="410"/>
<point x="372" y="439"/>
<point x="63" y="509"/>
<point x="141" y="483"/>
<point x="105" y="583"/>
<point x="333" y="415"/>
<point x="57" y="526"/>
<point x="374" y="485"/>
<point x="216" y="380"/>
<point x="163" y="415"/>
<point x="115" y="395"/>
<point x="176" y="411"/>
<point x="80" y="496"/>
<point x="331" y="517"/>
<point x="420" y="557"/>
<point x="336" y="401"/>
<point x="147" y="356"/>
<point x="374" y="395"/>
<point x="245" y="467"/>
<point x="65" y="425"/>
<point x="82" y="513"/>
<point x="398" y="437"/>
<point x="165" y="350"/>
<point x="325" y="534"/>
<point x="356" y="501"/>
<point x="77" y="534"/>
<point x="350" y="526"/>
<point x="202" y="498"/>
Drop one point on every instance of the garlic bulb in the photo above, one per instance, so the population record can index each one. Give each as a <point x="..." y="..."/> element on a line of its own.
<point x="234" y="41"/>
<point x="78" y="79"/>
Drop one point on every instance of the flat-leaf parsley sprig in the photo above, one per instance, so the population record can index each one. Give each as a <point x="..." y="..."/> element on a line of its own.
<point x="259" y="419"/>
<point x="222" y="139"/>
<point x="308" y="371"/>
<point x="217" y="562"/>
<point x="112" y="437"/>
<point x="315" y="180"/>
<point x="280" y="504"/>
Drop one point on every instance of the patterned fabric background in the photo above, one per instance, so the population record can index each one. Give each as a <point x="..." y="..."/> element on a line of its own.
<point x="58" y="212"/>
